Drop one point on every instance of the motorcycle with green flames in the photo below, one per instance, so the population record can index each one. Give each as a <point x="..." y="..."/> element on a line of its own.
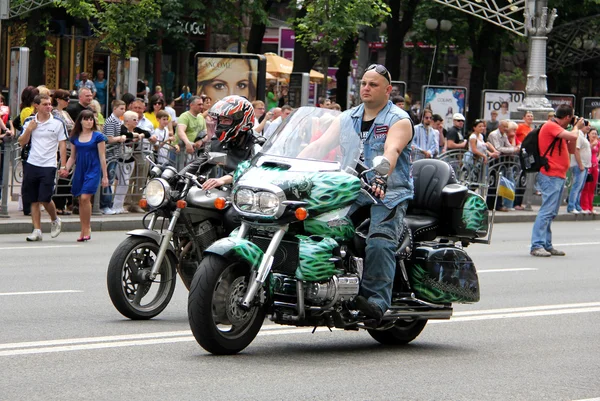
<point x="298" y="255"/>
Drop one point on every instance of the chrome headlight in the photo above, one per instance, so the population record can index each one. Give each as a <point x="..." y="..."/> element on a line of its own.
<point x="245" y="200"/>
<point x="258" y="202"/>
<point x="157" y="192"/>
<point x="268" y="203"/>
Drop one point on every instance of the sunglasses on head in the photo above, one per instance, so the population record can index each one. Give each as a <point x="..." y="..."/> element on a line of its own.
<point x="381" y="70"/>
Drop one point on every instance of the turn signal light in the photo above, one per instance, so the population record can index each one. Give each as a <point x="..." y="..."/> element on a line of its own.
<point x="301" y="213"/>
<point x="220" y="203"/>
<point x="181" y="204"/>
<point x="143" y="203"/>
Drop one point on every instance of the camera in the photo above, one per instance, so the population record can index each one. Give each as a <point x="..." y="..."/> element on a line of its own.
<point x="575" y="118"/>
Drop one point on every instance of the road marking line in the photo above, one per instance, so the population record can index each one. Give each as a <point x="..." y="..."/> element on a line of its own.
<point x="578" y="244"/>
<point x="10" y="248"/>
<point x="523" y="269"/>
<point x="590" y="399"/>
<point x="40" y="292"/>
<point x="124" y="337"/>
<point x="521" y="314"/>
<point x="153" y="341"/>
<point x="526" y="309"/>
<point x="127" y="340"/>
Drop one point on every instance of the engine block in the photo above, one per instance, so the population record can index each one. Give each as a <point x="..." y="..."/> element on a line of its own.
<point x="339" y="288"/>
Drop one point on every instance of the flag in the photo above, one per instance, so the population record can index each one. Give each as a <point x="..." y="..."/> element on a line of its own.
<point x="506" y="188"/>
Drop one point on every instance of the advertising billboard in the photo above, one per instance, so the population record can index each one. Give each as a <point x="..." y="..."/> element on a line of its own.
<point x="445" y="101"/>
<point x="558" y="99"/>
<point x="223" y="74"/>
<point x="591" y="107"/>
<point x="503" y="102"/>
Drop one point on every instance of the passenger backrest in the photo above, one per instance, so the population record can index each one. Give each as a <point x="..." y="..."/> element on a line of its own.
<point x="430" y="176"/>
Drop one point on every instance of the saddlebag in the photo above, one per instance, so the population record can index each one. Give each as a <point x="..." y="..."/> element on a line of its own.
<point x="439" y="273"/>
<point x="466" y="214"/>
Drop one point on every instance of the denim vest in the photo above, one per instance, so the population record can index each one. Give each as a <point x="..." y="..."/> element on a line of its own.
<point x="400" y="182"/>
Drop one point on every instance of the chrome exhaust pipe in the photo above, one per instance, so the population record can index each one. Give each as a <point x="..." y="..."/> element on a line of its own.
<point x="417" y="313"/>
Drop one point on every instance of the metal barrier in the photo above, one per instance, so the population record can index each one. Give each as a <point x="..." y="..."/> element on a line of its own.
<point x="480" y="177"/>
<point x="135" y="173"/>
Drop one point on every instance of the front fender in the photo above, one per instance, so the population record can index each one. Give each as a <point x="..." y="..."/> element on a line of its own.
<point x="237" y="250"/>
<point x="153" y="235"/>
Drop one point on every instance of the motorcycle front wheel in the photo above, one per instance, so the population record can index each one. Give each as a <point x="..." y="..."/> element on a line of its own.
<point x="130" y="292"/>
<point x="218" y="322"/>
<point x="403" y="332"/>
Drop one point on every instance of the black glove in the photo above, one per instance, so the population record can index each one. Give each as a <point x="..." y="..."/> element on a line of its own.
<point x="378" y="182"/>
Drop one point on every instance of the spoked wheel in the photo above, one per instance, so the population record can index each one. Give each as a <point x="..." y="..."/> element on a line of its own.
<point x="219" y="324"/>
<point x="130" y="291"/>
<point x="403" y="332"/>
<point x="18" y="172"/>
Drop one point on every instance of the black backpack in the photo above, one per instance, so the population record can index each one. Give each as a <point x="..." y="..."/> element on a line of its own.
<point x="529" y="155"/>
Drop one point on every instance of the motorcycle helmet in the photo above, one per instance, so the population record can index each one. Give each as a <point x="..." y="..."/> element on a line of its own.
<point x="237" y="108"/>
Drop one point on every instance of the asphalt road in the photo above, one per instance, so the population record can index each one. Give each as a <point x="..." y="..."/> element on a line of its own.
<point x="533" y="336"/>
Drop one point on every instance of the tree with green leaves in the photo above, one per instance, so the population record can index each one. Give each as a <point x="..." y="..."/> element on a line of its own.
<point x="326" y="25"/>
<point x="120" y="24"/>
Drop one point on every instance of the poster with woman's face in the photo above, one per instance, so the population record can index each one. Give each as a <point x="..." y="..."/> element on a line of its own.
<point x="224" y="74"/>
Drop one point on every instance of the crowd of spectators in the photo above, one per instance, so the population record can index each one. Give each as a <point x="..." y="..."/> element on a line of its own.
<point x="486" y="141"/>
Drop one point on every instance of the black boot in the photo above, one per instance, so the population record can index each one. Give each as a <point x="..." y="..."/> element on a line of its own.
<point x="369" y="309"/>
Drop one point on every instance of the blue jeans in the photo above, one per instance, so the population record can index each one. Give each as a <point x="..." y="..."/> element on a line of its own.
<point x="578" y="179"/>
<point x="382" y="242"/>
<point x="106" y="198"/>
<point x="551" y="189"/>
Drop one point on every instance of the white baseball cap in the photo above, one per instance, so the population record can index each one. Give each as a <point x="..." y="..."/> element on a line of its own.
<point x="458" y="116"/>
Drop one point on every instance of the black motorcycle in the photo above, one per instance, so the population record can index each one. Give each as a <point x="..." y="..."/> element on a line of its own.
<point x="182" y="222"/>
<point x="298" y="254"/>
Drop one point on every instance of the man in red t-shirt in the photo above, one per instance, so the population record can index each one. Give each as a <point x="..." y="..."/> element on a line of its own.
<point x="525" y="127"/>
<point x="551" y="181"/>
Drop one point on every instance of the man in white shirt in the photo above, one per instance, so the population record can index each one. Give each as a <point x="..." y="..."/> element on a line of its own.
<point x="46" y="135"/>
<point x="581" y="160"/>
<point x="426" y="140"/>
<point x="286" y="110"/>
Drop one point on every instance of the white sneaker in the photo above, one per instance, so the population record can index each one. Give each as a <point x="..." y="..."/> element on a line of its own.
<point x="108" y="210"/>
<point x="587" y="212"/>
<point x="575" y="211"/>
<point x="36" y="235"/>
<point x="56" y="228"/>
<point x="120" y="211"/>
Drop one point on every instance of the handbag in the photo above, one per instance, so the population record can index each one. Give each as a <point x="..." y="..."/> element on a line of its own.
<point x="589" y="177"/>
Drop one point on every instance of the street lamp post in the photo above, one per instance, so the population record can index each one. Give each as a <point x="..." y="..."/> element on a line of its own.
<point x="438" y="26"/>
<point x="538" y="25"/>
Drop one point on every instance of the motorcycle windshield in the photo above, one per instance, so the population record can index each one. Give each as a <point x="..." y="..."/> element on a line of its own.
<point x="315" y="134"/>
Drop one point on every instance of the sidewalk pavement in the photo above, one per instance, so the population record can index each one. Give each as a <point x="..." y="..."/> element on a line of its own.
<point x="17" y="223"/>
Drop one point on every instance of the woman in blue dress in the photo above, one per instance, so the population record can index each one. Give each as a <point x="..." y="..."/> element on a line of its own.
<point x="88" y="154"/>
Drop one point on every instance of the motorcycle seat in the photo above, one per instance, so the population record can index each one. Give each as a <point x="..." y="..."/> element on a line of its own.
<point x="430" y="176"/>
<point x="422" y="227"/>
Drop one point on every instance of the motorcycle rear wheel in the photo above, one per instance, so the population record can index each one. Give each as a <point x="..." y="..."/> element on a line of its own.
<point x="217" y="321"/>
<point x="134" y="298"/>
<point x="402" y="333"/>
